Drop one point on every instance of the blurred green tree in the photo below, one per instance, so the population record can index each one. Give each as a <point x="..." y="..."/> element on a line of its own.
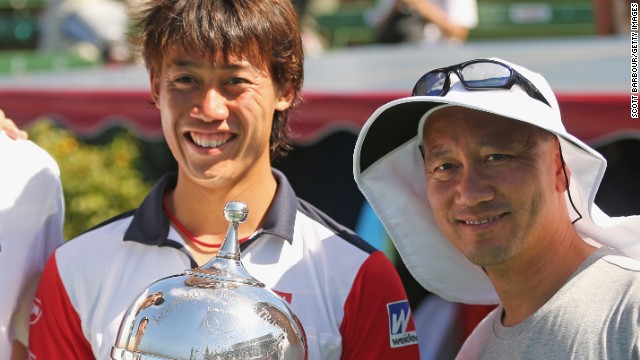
<point x="99" y="180"/>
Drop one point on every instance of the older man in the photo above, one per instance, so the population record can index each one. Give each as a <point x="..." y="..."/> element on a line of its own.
<point x="489" y="200"/>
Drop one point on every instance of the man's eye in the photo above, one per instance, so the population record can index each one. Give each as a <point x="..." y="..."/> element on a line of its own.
<point x="497" y="157"/>
<point x="444" y="167"/>
<point x="237" y="80"/>
<point x="184" y="80"/>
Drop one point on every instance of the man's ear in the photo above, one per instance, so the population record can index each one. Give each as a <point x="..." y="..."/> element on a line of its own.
<point x="562" y="173"/>
<point x="155" y="85"/>
<point x="285" y="99"/>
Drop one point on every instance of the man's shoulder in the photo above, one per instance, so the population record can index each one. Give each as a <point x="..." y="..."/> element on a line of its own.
<point x="623" y="262"/>
<point x="612" y="275"/>
<point x="606" y="259"/>
<point x="90" y="262"/>
<point x="101" y="239"/>
<point x="292" y="216"/>
<point x="316" y="218"/>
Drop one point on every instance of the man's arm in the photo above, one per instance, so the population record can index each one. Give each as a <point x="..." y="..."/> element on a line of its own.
<point x="18" y="351"/>
<point x="377" y="321"/>
<point x="20" y="319"/>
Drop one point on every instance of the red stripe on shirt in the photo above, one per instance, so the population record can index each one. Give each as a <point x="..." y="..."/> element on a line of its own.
<point x="57" y="333"/>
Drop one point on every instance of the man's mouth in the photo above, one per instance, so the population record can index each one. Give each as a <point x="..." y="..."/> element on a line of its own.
<point x="483" y="221"/>
<point x="210" y="140"/>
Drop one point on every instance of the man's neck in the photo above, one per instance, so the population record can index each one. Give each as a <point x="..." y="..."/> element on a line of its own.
<point x="200" y="208"/>
<point x="524" y="287"/>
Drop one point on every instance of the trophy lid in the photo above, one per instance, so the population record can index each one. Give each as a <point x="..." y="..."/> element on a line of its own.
<point x="217" y="311"/>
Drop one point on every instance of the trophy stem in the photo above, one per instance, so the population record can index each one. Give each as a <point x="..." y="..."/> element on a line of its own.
<point x="230" y="248"/>
<point x="226" y="265"/>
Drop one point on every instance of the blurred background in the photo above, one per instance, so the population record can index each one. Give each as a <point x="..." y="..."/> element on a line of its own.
<point x="67" y="77"/>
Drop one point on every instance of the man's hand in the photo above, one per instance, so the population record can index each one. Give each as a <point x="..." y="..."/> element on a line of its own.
<point x="11" y="128"/>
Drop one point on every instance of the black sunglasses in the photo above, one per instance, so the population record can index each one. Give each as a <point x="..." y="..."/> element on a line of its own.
<point x="479" y="74"/>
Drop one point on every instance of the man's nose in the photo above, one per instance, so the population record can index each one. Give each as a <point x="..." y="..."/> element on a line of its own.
<point x="474" y="186"/>
<point x="211" y="106"/>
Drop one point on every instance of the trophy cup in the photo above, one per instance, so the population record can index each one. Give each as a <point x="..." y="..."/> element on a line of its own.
<point x="217" y="311"/>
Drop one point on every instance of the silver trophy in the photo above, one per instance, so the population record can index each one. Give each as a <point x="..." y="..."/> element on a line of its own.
<point x="217" y="311"/>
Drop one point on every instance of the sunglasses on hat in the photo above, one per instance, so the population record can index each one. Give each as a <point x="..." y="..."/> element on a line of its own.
<point x="479" y="74"/>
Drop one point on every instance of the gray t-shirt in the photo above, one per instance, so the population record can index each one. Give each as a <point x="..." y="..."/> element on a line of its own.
<point x="595" y="315"/>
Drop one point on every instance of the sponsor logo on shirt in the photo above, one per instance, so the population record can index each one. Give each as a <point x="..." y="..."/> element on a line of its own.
<point x="399" y="332"/>
<point x="36" y="311"/>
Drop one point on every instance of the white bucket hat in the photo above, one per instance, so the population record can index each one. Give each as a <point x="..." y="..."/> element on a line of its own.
<point x="388" y="168"/>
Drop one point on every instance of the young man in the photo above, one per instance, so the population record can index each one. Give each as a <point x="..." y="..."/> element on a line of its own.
<point x="501" y="209"/>
<point x="223" y="75"/>
<point x="31" y="219"/>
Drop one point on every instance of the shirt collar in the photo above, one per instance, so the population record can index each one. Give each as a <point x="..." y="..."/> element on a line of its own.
<point x="281" y="216"/>
<point x="150" y="223"/>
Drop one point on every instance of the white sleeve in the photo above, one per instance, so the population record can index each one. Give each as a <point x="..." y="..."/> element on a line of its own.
<point x="37" y="201"/>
